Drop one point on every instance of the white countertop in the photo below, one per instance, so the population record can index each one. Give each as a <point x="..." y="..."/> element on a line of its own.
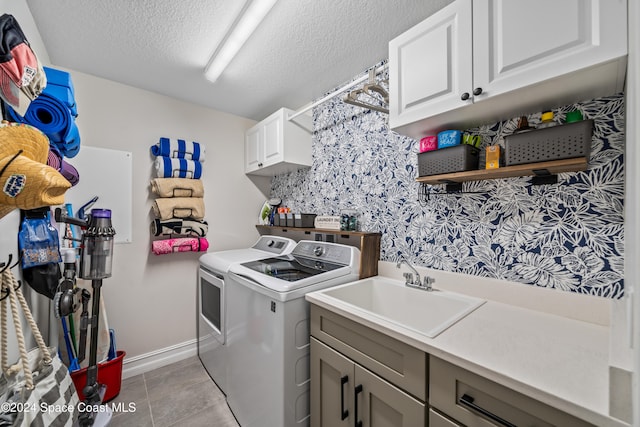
<point x="556" y="360"/>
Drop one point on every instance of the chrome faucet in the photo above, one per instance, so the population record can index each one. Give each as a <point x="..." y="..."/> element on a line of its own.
<point x="425" y="285"/>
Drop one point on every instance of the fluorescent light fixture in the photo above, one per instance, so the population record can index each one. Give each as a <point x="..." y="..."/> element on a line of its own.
<point x="241" y="31"/>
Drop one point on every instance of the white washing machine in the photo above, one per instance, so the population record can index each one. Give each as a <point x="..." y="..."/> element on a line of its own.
<point x="212" y="305"/>
<point x="269" y="330"/>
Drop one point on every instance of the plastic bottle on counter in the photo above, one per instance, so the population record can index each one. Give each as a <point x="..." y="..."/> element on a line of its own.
<point x="546" y="120"/>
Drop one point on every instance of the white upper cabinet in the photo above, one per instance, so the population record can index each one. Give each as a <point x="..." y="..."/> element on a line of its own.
<point x="489" y="60"/>
<point x="430" y="65"/>
<point x="276" y="145"/>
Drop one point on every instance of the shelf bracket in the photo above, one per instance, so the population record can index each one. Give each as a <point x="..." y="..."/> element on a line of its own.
<point x="454" y="187"/>
<point x="543" y="177"/>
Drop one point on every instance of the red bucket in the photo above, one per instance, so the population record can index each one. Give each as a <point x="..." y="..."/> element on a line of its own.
<point x="109" y="374"/>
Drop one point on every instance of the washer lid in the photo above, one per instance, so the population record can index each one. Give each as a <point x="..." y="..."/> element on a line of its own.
<point x="222" y="260"/>
<point x="290" y="268"/>
<point x="265" y="246"/>
<point x="280" y="285"/>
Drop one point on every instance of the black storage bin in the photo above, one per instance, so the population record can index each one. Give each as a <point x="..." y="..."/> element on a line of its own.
<point x="303" y="220"/>
<point x="458" y="158"/>
<point x="289" y="220"/>
<point x="555" y="143"/>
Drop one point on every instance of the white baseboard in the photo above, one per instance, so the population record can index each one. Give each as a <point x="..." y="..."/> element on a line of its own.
<point x="156" y="359"/>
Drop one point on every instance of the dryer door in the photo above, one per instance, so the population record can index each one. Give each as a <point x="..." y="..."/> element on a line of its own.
<point x="211" y="310"/>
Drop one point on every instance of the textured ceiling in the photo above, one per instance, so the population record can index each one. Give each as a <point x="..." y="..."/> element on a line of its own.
<point x="303" y="49"/>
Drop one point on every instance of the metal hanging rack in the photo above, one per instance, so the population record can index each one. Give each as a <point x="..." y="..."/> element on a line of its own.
<point x="370" y="92"/>
<point x="337" y="92"/>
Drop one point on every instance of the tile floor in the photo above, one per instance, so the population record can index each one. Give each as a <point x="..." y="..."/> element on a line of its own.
<point x="181" y="394"/>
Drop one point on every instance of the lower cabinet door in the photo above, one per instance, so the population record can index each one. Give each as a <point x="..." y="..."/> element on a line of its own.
<point x="332" y="383"/>
<point x="438" y="420"/>
<point x="379" y="403"/>
<point x="344" y="393"/>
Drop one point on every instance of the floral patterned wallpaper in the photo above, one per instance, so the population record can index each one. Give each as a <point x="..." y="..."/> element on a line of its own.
<point x="567" y="236"/>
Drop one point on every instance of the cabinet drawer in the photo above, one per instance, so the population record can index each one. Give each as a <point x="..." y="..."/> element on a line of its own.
<point x="474" y="400"/>
<point x="395" y="361"/>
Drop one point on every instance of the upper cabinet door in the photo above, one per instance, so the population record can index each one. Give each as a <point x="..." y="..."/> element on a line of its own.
<point x="253" y="149"/>
<point x="517" y="43"/>
<point x="273" y="139"/>
<point x="277" y="145"/>
<point x="430" y="65"/>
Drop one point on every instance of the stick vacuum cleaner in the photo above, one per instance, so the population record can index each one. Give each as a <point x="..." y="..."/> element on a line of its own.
<point x="96" y="257"/>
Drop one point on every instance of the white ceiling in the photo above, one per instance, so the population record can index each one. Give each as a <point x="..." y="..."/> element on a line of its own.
<point x="302" y="50"/>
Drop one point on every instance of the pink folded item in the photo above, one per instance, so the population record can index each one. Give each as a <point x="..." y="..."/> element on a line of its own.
<point x="184" y="244"/>
<point x="428" y="143"/>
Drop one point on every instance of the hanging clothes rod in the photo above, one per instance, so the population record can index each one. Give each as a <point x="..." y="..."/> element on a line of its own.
<point x="334" y="93"/>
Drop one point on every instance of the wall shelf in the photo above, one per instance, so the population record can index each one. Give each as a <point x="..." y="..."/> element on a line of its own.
<point x="531" y="169"/>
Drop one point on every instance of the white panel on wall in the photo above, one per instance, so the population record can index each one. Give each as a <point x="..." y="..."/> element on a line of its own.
<point x="107" y="174"/>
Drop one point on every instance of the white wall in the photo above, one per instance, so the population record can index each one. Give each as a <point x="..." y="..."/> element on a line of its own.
<point x="632" y="228"/>
<point x="624" y="352"/>
<point x="151" y="300"/>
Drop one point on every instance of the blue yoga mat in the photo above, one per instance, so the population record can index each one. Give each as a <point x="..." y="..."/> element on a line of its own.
<point x="54" y="113"/>
<point x="55" y="120"/>
<point x="59" y="86"/>
<point x="64" y="95"/>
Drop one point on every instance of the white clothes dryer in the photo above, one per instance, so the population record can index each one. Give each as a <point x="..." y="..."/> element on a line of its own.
<point x="212" y="300"/>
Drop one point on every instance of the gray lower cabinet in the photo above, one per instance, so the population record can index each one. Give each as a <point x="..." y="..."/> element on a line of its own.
<point x="361" y="377"/>
<point x="346" y="390"/>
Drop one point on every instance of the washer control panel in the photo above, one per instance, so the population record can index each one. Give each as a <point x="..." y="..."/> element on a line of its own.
<point x="274" y="244"/>
<point x="328" y="252"/>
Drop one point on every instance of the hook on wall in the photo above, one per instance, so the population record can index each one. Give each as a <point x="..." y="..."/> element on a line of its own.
<point x="7" y="265"/>
<point x="4" y="267"/>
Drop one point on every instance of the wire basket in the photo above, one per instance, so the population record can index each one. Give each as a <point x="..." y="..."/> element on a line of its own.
<point x="555" y="143"/>
<point x="458" y="158"/>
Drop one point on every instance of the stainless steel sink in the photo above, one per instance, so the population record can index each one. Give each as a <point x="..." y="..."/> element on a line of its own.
<point x="427" y="313"/>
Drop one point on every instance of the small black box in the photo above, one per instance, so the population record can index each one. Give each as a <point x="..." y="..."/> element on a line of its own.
<point x="304" y="220"/>
<point x="289" y="220"/>
<point x="458" y="158"/>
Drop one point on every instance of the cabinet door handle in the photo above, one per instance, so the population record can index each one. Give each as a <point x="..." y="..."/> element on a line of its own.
<point x="464" y="96"/>
<point x="467" y="401"/>
<point x="477" y="91"/>
<point x="356" y="422"/>
<point x="259" y="165"/>
<point x="344" y="413"/>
